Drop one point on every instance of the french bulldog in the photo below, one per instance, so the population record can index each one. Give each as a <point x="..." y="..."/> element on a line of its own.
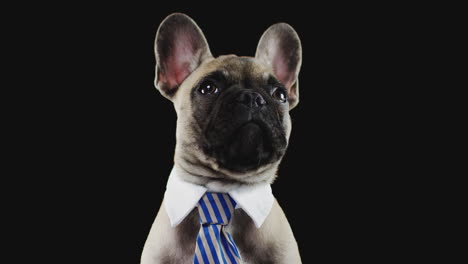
<point x="233" y="127"/>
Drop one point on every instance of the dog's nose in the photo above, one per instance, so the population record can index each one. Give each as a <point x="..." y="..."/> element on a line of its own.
<point x="251" y="99"/>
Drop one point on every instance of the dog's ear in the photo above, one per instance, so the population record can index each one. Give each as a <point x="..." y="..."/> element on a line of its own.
<point x="280" y="48"/>
<point x="180" y="47"/>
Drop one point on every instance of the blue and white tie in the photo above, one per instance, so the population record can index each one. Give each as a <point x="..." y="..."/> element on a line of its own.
<point x="214" y="244"/>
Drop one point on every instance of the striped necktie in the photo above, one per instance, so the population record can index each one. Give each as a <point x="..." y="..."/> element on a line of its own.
<point x="214" y="244"/>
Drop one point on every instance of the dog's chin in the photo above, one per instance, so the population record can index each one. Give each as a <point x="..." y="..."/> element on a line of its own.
<point x="248" y="148"/>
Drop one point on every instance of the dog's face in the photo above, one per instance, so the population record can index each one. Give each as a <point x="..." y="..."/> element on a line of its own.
<point x="233" y="112"/>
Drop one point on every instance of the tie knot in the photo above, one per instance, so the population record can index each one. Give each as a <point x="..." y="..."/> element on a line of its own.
<point x="216" y="208"/>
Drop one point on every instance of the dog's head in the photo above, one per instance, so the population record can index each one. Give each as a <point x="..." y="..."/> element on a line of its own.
<point x="233" y="112"/>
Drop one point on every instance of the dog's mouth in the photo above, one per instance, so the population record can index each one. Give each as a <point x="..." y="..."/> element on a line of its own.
<point x="241" y="139"/>
<point x="248" y="147"/>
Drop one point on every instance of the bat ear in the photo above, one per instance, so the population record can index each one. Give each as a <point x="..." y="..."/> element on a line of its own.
<point x="180" y="47"/>
<point x="280" y="48"/>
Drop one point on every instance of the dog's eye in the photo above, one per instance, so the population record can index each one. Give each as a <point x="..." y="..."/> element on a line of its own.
<point x="208" y="87"/>
<point x="280" y="95"/>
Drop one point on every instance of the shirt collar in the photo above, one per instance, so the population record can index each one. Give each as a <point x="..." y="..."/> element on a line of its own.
<point x="181" y="197"/>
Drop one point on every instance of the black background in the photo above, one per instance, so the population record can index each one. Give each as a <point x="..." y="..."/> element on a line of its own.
<point x="111" y="134"/>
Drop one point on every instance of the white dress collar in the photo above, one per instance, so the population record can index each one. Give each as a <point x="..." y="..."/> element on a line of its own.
<point x="181" y="197"/>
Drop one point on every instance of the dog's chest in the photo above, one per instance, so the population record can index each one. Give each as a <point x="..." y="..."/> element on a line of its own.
<point x="252" y="244"/>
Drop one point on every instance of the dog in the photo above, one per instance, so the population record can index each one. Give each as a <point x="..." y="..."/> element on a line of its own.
<point x="233" y="128"/>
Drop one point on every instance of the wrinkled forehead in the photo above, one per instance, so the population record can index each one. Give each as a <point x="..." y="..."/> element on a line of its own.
<point x="239" y="68"/>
